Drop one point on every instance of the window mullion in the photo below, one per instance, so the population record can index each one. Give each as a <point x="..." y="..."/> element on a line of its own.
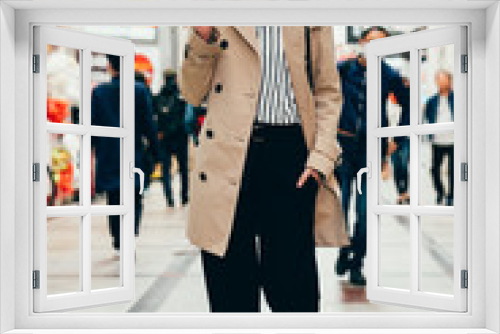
<point x="85" y="254"/>
<point x="109" y="210"/>
<point x="414" y="170"/>
<point x="86" y="168"/>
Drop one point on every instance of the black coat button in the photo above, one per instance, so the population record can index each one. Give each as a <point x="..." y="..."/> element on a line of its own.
<point x="203" y="176"/>
<point x="218" y="88"/>
<point x="224" y="44"/>
<point x="210" y="134"/>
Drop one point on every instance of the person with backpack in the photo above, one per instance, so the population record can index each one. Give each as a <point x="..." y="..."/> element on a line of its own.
<point x="171" y="113"/>
<point x="261" y="193"/>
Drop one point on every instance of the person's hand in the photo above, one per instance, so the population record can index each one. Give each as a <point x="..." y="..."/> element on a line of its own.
<point x="309" y="172"/>
<point x="160" y="135"/>
<point x="393" y="146"/>
<point x="386" y="171"/>
<point x="203" y="32"/>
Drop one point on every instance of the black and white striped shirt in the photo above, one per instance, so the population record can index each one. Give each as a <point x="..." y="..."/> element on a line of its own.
<point x="276" y="100"/>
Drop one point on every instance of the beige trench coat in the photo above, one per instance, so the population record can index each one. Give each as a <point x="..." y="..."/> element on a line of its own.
<point x="228" y="71"/>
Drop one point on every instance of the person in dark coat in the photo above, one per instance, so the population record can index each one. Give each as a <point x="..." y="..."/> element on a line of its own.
<point x="351" y="136"/>
<point x="440" y="109"/>
<point x="105" y="106"/>
<point x="148" y="156"/>
<point x="171" y="113"/>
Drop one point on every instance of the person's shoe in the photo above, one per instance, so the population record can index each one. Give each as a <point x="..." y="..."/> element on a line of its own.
<point x="185" y="202"/>
<point x="449" y="201"/>
<point x="439" y="199"/>
<point x="357" y="278"/>
<point x="116" y="255"/>
<point x="343" y="264"/>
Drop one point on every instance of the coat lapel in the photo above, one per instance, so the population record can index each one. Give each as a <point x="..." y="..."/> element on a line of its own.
<point x="293" y="44"/>
<point x="249" y="34"/>
<point x="289" y="37"/>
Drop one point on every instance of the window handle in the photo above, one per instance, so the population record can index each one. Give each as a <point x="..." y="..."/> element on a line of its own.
<point x="368" y="171"/>
<point x="139" y="171"/>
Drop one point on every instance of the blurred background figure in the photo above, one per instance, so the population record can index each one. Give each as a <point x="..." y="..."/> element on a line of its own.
<point x="399" y="151"/>
<point x="171" y="116"/>
<point x="63" y="83"/>
<point x="400" y="156"/>
<point x="63" y="102"/>
<point x="439" y="109"/>
<point x="194" y="121"/>
<point x="106" y="112"/>
<point x="148" y="156"/>
<point x="352" y="138"/>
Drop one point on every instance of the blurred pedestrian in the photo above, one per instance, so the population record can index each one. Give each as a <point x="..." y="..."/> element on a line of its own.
<point x="400" y="156"/>
<point x="352" y="138"/>
<point x="192" y="121"/>
<point x="171" y="114"/>
<point x="105" y="106"/>
<point x="148" y="156"/>
<point x="439" y="109"/>
<point x="259" y="200"/>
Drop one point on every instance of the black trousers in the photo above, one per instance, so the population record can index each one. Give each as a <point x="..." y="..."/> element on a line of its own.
<point x="438" y="154"/>
<point x="113" y="198"/>
<point x="178" y="147"/>
<point x="271" y="246"/>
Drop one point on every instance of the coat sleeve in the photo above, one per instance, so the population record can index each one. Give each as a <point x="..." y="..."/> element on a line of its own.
<point x="327" y="100"/>
<point x="198" y="68"/>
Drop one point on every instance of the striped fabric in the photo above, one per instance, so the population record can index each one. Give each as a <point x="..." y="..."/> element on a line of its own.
<point x="276" y="100"/>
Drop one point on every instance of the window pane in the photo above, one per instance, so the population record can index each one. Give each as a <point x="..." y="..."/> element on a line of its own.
<point x="105" y="249"/>
<point x="437" y="84"/>
<point x="395" y="168"/>
<point x="437" y="172"/>
<point x="63" y="169"/>
<point x="395" y="90"/>
<point x="106" y="90"/>
<point x="436" y="257"/>
<point x="63" y="255"/>
<point x="106" y="167"/>
<point x="394" y="252"/>
<point x="63" y="84"/>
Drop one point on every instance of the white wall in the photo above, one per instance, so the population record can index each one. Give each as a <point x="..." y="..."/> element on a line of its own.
<point x="7" y="162"/>
<point x="492" y="162"/>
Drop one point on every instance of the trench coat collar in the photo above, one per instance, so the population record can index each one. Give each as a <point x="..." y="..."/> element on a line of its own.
<point x="249" y="34"/>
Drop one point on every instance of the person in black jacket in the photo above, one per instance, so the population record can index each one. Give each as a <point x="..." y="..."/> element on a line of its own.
<point x="148" y="156"/>
<point x="105" y="106"/>
<point x="351" y="136"/>
<point x="171" y="111"/>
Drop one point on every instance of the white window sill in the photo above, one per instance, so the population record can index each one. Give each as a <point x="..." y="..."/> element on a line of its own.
<point x="251" y="331"/>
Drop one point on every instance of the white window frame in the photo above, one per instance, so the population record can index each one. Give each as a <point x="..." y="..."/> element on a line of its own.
<point x="474" y="19"/>
<point x="86" y="44"/>
<point x="375" y="52"/>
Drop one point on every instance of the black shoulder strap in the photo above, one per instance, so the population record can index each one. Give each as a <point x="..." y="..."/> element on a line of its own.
<point x="307" y="39"/>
